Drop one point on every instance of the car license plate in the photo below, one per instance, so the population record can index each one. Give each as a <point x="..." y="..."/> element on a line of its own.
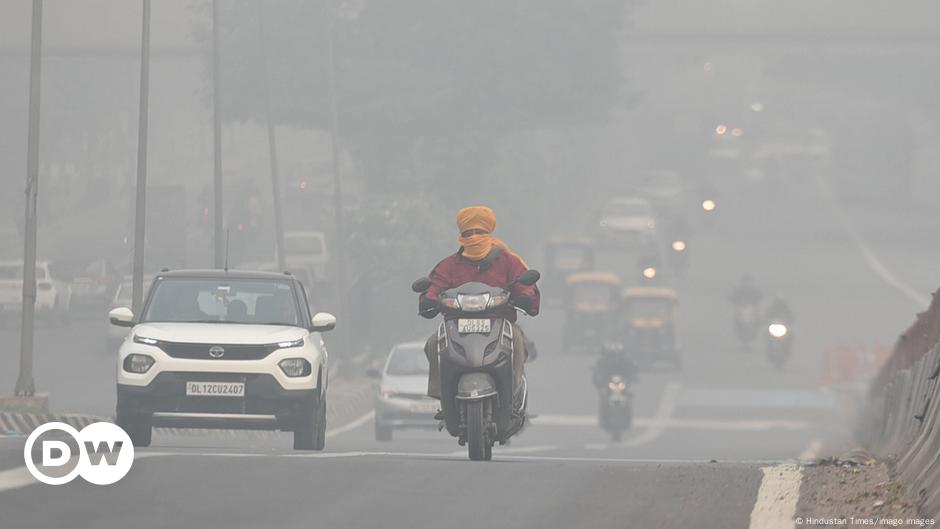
<point x="215" y="389"/>
<point x="425" y="407"/>
<point x="468" y="326"/>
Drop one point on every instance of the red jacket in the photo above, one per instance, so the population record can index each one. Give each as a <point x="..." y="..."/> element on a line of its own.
<point x="498" y="269"/>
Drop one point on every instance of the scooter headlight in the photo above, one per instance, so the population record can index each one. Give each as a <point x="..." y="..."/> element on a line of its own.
<point x="497" y="300"/>
<point x="777" y="330"/>
<point x="617" y="386"/>
<point x="649" y="272"/>
<point x="473" y="302"/>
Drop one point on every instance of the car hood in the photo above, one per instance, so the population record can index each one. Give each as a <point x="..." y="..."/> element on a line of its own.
<point x="413" y="384"/>
<point x="627" y="223"/>
<point x="219" y="333"/>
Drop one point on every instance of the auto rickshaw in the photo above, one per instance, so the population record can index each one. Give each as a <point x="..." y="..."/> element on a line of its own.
<point x="564" y="257"/>
<point x="650" y="316"/>
<point x="592" y="303"/>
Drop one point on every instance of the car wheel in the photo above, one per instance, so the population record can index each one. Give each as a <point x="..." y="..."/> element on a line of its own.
<point x="138" y="428"/>
<point x="382" y="433"/>
<point x="310" y="432"/>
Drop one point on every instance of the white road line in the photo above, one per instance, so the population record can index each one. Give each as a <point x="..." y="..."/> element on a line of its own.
<point x="870" y="256"/>
<point x="356" y="423"/>
<point x="663" y="414"/>
<point x="511" y="450"/>
<point x="811" y="451"/>
<point x="679" y="424"/>
<point x="777" y="496"/>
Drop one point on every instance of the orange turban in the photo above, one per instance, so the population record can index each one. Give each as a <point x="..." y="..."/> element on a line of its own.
<point x="478" y="246"/>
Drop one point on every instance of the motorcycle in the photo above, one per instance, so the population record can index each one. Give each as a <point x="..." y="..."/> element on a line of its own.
<point x="475" y="350"/>
<point x="746" y="323"/>
<point x="613" y="374"/>
<point x="778" y="343"/>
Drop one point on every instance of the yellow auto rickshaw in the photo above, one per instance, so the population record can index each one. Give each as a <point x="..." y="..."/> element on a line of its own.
<point x="563" y="257"/>
<point x="650" y="317"/>
<point x="592" y="303"/>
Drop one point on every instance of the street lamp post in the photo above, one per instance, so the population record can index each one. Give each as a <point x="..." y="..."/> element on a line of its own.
<point x="218" y="235"/>
<point x="25" y="385"/>
<point x="137" y="292"/>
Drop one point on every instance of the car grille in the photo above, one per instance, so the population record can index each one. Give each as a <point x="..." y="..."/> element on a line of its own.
<point x="200" y="351"/>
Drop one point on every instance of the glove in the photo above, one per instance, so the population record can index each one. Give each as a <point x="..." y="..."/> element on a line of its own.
<point x="427" y="308"/>
<point x="523" y="302"/>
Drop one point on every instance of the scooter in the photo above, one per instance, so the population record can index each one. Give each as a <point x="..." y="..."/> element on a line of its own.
<point x="778" y="343"/>
<point x="475" y="350"/>
<point x="615" y="413"/>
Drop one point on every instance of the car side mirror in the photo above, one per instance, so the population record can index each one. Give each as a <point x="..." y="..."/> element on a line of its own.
<point x="121" y="317"/>
<point x="323" y="321"/>
<point x="420" y="286"/>
<point x="529" y="278"/>
<point x="373" y="372"/>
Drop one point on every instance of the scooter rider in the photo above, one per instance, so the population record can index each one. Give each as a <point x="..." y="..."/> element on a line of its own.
<point x="485" y="259"/>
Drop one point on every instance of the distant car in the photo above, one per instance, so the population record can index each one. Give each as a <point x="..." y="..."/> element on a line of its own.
<point x="94" y="284"/>
<point x="53" y="293"/>
<point x="307" y="249"/>
<point x="627" y="221"/>
<point x="401" y="400"/>
<point x="225" y="349"/>
<point x="665" y="190"/>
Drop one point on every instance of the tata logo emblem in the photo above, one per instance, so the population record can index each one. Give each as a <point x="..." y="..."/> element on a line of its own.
<point x="216" y="351"/>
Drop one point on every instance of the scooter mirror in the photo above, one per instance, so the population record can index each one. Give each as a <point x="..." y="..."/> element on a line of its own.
<point x="529" y="277"/>
<point x="421" y="285"/>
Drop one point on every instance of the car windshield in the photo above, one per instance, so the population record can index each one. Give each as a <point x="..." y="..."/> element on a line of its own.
<point x="303" y="244"/>
<point x="628" y="209"/>
<point x="656" y="308"/>
<point x="592" y="296"/>
<point x="223" y="300"/>
<point x="407" y="361"/>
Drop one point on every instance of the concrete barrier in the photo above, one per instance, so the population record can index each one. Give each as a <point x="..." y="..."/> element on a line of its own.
<point x="901" y="419"/>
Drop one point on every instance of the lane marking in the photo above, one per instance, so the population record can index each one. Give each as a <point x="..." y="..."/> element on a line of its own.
<point x="867" y="253"/>
<point x="680" y="424"/>
<point x="511" y="450"/>
<point x="19" y="477"/>
<point x="657" y="427"/>
<point x="356" y="423"/>
<point x="811" y="451"/>
<point x="779" y="491"/>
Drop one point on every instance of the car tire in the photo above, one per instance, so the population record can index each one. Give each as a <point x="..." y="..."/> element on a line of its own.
<point x="382" y="433"/>
<point x="138" y="428"/>
<point x="310" y="432"/>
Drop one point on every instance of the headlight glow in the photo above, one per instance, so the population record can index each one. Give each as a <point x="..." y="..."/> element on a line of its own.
<point x="296" y="343"/>
<point x="649" y="272"/>
<point x="473" y="302"/>
<point x="295" y="367"/>
<point x="138" y="363"/>
<point x="144" y="340"/>
<point x="777" y="330"/>
<point x="616" y="386"/>
<point x="709" y="205"/>
<point x="678" y="246"/>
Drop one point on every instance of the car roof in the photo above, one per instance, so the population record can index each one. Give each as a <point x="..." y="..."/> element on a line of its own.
<point x="223" y="274"/>
<point x="408" y="345"/>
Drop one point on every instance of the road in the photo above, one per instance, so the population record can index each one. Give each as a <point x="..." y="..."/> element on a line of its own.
<point x="694" y="460"/>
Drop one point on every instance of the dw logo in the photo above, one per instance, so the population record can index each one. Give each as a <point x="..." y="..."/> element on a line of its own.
<point x="106" y="454"/>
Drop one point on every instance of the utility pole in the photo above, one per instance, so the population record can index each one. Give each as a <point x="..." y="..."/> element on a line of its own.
<point x="25" y="385"/>
<point x="140" y="221"/>
<point x="272" y="147"/>
<point x="340" y="235"/>
<point x="218" y="232"/>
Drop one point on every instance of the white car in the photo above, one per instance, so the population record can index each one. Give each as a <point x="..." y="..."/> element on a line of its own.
<point x="307" y="249"/>
<point x="224" y="349"/>
<point x="53" y="295"/>
<point x="402" y="401"/>
<point x="627" y="221"/>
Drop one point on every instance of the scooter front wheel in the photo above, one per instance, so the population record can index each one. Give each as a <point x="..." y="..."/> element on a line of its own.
<point x="478" y="446"/>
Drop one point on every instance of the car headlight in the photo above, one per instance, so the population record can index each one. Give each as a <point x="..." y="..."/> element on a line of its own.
<point x="144" y="340"/>
<point x="777" y="330"/>
<point x="138" y="363"/>
<point x="387" y="393"/>
<point x="295" y="343"/>
<point x="678" y="245"/>
<point x="473" y="302"/>
<point x="295" y="367"/>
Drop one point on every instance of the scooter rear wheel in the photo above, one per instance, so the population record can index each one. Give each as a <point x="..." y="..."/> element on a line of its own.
<point x="478" y="446"/>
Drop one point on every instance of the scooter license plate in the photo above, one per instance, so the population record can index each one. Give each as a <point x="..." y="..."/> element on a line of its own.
<point x="473" y="326"/>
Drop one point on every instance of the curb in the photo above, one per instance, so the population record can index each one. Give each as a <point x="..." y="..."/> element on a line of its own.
<point x="347" y="400"/>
